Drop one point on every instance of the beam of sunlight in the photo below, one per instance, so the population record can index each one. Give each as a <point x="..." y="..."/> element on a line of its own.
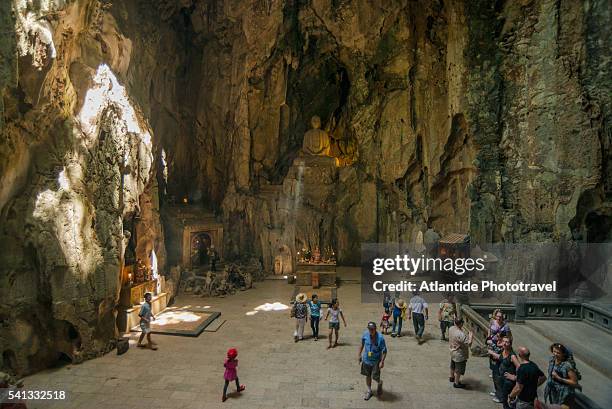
<point x="63" y="181"/>
<point x="106" y="90"/>
<point x="176" y="317"/>
<point x="276" y="306"/>
<point x="31" y="24"/>
<point x="65" y="212"/>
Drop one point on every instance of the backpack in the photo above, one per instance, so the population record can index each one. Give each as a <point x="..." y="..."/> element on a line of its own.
<point x="572" y="362"/>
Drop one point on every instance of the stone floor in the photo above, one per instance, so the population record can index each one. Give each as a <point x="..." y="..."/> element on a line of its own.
<point x="278" y="373"/>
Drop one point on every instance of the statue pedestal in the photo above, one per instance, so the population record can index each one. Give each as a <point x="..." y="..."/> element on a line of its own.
<point x="309" y="191"/>
<point x="311" y="179"/>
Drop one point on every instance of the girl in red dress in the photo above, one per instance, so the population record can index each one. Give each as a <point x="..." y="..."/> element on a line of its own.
<point x="231" y="373"/>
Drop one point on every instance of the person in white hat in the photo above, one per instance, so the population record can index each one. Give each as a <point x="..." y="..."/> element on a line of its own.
<point x="399" y="315"/>
<point x="300" y="313"/>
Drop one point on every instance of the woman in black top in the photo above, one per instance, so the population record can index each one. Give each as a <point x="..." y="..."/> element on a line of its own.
<point x="508" y="363"/>
<point x="495" y="350"/>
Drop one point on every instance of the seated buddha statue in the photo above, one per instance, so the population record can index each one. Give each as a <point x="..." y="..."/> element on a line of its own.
<point x="316" y="140"/>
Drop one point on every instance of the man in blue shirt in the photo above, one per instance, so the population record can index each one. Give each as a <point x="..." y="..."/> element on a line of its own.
<point x="372" y="354"/>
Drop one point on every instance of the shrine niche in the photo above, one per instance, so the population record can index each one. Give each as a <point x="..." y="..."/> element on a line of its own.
<point x="202" y="244"/>
<point x="196" y="234"/>
<point x="200" y="247"/>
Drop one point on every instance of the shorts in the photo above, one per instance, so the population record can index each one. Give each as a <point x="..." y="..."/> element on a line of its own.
<point x="371" y="370"/>
<point x="333" y="325"/>
<point x="145" y="327"/>
<point x="458" y="367"/>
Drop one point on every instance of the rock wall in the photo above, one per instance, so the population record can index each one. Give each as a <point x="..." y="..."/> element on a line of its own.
<point x="479" y="117"/>
<point x="77" y="171"/>
<point x="488" y="118"/>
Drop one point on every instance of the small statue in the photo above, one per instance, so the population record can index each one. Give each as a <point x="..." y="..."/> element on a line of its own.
<point x="316" y="255"/>
<point x="332" y="256"/>
<point x="208" y="283"/>
<point x="141" y="272"/>
<point x="222" y="289"/>
<point x="248" y="280"/>
<point x="213" y="257"/>
<point x="316" y="140"/>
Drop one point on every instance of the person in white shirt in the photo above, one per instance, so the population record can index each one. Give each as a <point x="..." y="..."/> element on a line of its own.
<point x="418" y="311"/>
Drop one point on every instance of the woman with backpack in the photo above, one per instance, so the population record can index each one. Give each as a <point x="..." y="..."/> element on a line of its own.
<point x="562" y="379"/>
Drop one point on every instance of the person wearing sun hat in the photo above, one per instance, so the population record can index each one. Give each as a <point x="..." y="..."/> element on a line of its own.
<point x="231" y="372"/>
<point x="399" y="315"/>
<point x="300" y="313"/>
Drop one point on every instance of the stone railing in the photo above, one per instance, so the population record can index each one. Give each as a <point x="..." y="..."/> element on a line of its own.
<point x="597" y="316"/>
<point x="549" y="309"/>
<point x="529" y="308"/>
<point x="485" y="311"/>
<point x="474" y="322"/>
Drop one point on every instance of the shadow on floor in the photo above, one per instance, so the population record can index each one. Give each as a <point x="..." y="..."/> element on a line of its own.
<point x="475" y="385"/>
<point x="388" y="396"/>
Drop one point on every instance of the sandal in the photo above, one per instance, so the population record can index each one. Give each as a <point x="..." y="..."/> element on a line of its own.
<point x="242" y="387"/>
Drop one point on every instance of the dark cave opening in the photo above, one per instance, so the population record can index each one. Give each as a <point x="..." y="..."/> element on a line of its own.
<point x="9" y="361"/>
<point x="598" y="227"/>
<point x="74" y="336"/>
<point x="62" y="359"/>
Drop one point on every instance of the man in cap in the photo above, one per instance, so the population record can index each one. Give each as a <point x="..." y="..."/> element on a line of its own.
<point x="372" y="354"/>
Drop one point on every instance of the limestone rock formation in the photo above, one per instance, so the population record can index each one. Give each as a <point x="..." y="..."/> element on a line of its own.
<point x="479" y="117"/>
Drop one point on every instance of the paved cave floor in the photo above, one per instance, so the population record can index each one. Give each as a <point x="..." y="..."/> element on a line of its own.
<point x="278" y="373"/>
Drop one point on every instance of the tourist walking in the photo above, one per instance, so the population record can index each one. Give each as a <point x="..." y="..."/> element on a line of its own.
<point x="562" y="378"/>
<point x="419" y="312"/>
<point x="231" y="372"/>
<point x="372" y="354"/>
<point x="459" y="341"/>
<point x="146" y="315"/>
<point x="496" y="326"/>
<point x="528" y="378"/>
<point x="387" y="300"/>
<point x="334" y="313"/>
<point x="384" y="321"/>
<point x="300" y="313"/>
<point x="399" y="315"/>
<point x="446" y="315"/>
<point x="315" y="315"/>
<point x="495" y="350"/>
<point x="508" y="364"/>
